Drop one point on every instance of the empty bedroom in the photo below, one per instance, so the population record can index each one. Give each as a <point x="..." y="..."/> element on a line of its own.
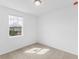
<point x="38" y="29"/>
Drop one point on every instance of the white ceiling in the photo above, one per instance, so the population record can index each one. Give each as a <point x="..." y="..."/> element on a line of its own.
<point x="28" y="6"/>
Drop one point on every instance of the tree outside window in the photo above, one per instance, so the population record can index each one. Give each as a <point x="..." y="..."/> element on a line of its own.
<point x="15" y="25"/>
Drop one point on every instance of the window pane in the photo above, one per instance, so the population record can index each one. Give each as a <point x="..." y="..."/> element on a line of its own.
<point x="15" y="25"/>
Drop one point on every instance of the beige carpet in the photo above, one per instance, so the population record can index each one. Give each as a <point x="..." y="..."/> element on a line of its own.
<point x="41" y="52"/>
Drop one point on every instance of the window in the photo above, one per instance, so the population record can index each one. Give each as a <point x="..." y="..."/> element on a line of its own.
<point x="15" y="25"/>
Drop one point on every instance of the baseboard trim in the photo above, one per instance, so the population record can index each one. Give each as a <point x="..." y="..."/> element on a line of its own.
<point x="17" y="48"/>
<point x="59" y="49"/>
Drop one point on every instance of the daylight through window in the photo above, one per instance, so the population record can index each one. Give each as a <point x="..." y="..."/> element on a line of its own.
<point x="15" y="25"/>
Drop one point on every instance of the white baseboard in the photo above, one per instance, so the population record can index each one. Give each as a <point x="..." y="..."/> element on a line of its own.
<point x="68" y="51"/>
<point x="24" y="45"/>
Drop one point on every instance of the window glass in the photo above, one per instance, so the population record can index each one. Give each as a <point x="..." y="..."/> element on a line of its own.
<point x="15" y="25"/>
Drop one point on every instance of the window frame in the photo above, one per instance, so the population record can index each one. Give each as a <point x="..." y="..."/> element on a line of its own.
<point x="9" y="26"/>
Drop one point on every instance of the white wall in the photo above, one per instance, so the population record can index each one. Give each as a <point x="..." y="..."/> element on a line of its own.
<point x="9" y="44"/>
<point x="58" y="29"/>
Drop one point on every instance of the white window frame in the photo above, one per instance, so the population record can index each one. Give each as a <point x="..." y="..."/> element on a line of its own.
<point x="9" y="26"/>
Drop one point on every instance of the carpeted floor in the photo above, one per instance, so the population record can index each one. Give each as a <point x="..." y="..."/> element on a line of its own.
<point x="38" y="51"/>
